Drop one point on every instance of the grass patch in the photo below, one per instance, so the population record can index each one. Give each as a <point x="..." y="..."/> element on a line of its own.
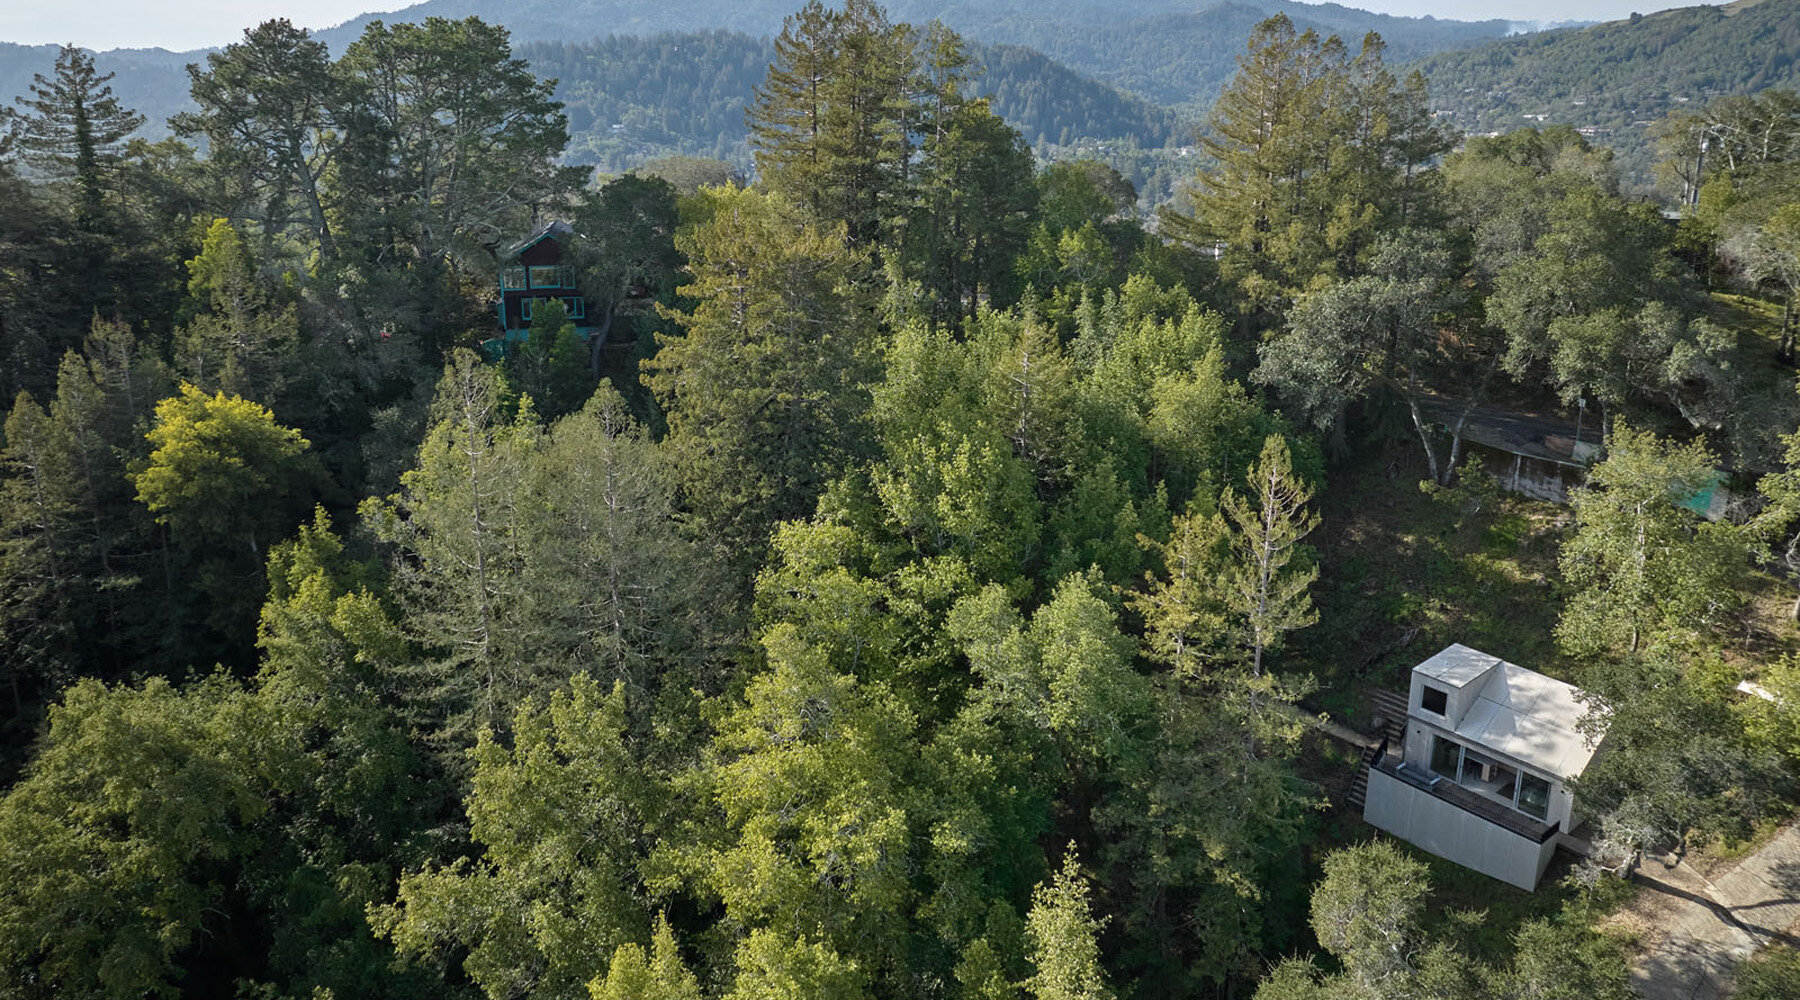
<point x="1716" y="857"/>
<point x="1763" y="404"/>
<point x="1771" y="974"/>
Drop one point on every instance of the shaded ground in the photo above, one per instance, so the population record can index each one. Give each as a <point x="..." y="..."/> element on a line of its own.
<point x="1404" y="573"/>
<point x="1702" y="929"/>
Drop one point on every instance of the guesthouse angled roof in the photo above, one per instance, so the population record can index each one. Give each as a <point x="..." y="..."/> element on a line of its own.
<point x="1518" y="713"/>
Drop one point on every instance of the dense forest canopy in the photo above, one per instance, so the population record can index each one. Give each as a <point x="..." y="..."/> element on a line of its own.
<point x="927" y="576"/>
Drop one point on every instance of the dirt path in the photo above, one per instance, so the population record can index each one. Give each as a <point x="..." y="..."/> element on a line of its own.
<point x="1709" y="927"/>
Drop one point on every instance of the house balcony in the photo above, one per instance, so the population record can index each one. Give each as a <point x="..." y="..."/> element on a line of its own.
<point x="1482" y="804"/>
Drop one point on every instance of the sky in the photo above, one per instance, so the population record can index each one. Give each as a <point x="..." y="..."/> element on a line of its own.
<point x="170" y="24"/>
<point x="192" y="24"/>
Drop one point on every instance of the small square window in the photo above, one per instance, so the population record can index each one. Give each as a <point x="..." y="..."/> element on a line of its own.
<point x="512" y="279"/>
<point x="1433" y="700"/>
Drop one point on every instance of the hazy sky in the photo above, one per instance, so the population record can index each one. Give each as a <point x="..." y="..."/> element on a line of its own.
<point x="190" y="24"/>
<point x="169" y="24"/>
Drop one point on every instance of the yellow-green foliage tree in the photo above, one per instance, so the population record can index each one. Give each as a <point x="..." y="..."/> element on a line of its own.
<point x="223" y="472"/>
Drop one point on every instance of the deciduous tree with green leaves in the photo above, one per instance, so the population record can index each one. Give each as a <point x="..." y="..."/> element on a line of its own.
<point x="1366" y="911"/>
<point x="1064" y="938"/>
<point x="1645" y="572"/>
<point x="223" y="472"/>
<point x="560" y="815"/>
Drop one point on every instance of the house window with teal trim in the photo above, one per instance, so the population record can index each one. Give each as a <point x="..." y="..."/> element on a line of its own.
<point x="576" y="305"/>
<point x="547" y="276"/>
<point x="512" y="279"/>
<point x="525" y="308"/>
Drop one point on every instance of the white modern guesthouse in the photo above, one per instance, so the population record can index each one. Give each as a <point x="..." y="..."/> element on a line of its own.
<point x="1482" y="777"/>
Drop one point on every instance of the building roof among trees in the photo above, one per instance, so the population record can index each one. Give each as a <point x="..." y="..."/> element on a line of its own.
<point x="1518" y="712"/>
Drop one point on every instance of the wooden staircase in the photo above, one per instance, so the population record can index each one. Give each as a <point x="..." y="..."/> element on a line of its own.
<point x="1391" y="707"/>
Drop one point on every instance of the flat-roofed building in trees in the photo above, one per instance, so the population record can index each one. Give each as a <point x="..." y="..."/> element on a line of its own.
<point x="1482" y="776"/>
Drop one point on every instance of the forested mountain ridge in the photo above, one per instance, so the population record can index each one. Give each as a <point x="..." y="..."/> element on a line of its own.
<point x="1616" y="80"/>
<point x="1168" y="51"/>
<point x="150" y="80"/>
<point x="631" y="98"/>
<point x="988" y="20"/>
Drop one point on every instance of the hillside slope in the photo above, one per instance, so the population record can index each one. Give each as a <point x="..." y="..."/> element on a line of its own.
<point x="1164" y="50"/>
<point x="1615" y="80"/>
<point x="152" y="81"/>
<point x="632" y="98"/>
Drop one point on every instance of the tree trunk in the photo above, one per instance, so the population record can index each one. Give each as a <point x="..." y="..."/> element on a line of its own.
<point x="598" y="340"/>
<point x="1412" y="405"/>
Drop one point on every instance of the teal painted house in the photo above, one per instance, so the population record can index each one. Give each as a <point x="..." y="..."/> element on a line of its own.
<point x="531" y="270"/>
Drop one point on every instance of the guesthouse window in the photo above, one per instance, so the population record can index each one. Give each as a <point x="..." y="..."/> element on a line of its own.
<point x="512" y="279"/>
<point x="1534" y="796"/>
<point x="547" y="276"/>
<point x="576" y="305"/>
<point x="1433" y="700"/>
<point x="1446" y="757"/>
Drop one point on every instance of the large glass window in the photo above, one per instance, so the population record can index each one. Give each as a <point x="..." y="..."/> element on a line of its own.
<point x="1534" y="796"/>
<point x="1488" y="776"/>
<point x="547" y="276"/>
<point x="1446" y="756"/>
<point x="1433" y="700"/>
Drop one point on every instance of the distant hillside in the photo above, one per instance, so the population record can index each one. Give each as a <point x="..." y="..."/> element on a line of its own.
<point x="1615" y="80"/>
<point x="1184" y="59"/>
<point x="1162" y="50"/>
<point x="630" y="99"/>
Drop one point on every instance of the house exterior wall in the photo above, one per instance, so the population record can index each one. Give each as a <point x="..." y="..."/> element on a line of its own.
<point x="1534" y="477"/>
<point x="530" y="267"/>
<point x="1422" y="819"/>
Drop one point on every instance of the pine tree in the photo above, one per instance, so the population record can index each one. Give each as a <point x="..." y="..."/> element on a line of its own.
<point x="763" y="391"/>
<point x="659" y="976"/>
<point x="73" y="127"/>
<point x="829" y="125"/>
<point x="1186" y="615"/>
<point x="270" y="109"/>
<point x="1316" y="150"/>
<point x="1270" y="599"/>
<point x="461" y="531"/>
